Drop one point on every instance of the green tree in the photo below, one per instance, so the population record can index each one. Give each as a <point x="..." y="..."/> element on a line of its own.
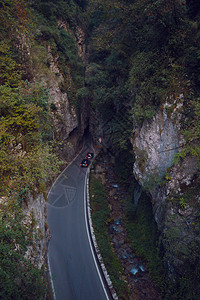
<point x="26" y="158"/>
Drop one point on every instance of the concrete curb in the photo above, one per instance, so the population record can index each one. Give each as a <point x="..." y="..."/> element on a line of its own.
<point x="112" y="291"/>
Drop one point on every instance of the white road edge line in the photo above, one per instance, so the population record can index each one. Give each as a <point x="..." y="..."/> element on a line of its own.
<point x="92" y="251"/>
<point x="52" y="285"/>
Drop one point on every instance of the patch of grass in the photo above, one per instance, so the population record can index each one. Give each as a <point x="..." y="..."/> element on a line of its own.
<point x="100" y="217"/>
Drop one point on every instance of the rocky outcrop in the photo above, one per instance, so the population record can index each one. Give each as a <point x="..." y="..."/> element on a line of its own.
<point x="64" y="115"/>
<point x="156" y="142"/>
<point x="69" y="123"/>
<point x="35" y="212"/>
<point x="41" y="64"/>
<point x="174" y="188"/>
<point x="79" y="36"/>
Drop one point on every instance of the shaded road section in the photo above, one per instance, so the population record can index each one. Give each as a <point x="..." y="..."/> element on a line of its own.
<point x="73" y="270"/>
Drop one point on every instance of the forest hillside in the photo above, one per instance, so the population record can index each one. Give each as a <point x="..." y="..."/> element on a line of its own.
<point x="127" y="71"/>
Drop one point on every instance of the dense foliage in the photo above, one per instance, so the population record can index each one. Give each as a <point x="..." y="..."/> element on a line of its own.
<point x="143" y="53"/>
<point x="58" y="29"/>
<point x="26" y="155"/>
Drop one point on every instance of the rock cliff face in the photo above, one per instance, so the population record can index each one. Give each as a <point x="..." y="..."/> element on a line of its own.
<point x="35" y="216"/>
<point x="41" y="63"/>
<point x="69" y="124"/>
<point x="156" y="142"/>
<point x="174" y="189"/>
<point x="65" y="116"/>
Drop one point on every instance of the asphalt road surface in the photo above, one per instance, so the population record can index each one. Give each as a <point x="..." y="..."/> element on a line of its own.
<point x="73" y="269"/>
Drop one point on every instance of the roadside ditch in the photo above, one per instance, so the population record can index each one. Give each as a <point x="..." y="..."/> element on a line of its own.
<point x="108" y="201"/>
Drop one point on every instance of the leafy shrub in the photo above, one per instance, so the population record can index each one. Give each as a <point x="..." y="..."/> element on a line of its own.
<point x="25" y="154"/>
<point x="19" y="278"/>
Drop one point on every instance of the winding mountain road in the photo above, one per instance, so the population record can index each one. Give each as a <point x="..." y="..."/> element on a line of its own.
<point x="72" y="265"/>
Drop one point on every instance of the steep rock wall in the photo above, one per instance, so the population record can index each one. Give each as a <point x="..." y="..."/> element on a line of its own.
<point x="156" y="142"/>
<point x="41" y="64"/>
<point x="174" y="189"/>
<point x="35" y="216"/>
<point x="69" y="123"/>
<point x="64" y="115"/>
